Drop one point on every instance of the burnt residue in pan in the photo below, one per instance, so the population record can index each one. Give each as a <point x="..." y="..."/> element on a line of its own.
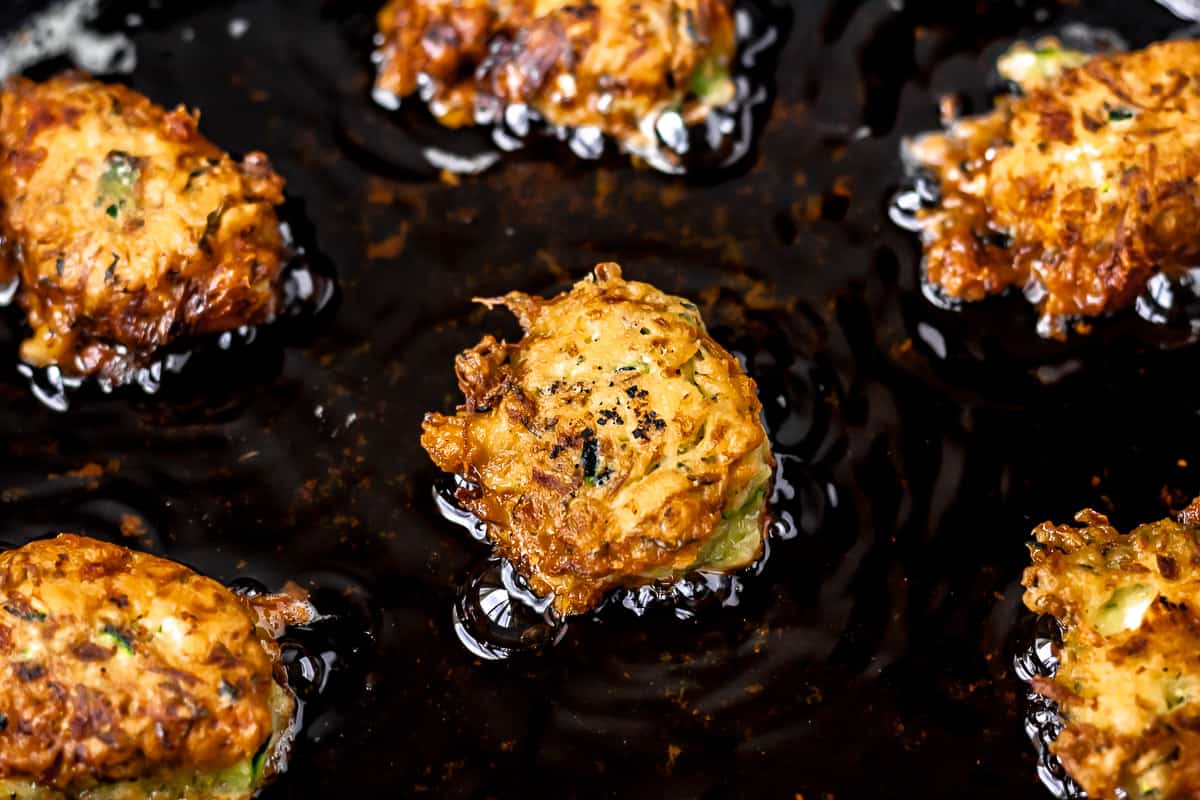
<point x="927" y="442"/>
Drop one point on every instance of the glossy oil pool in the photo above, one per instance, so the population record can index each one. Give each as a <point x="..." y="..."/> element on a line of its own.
<point x="871" y="655"/>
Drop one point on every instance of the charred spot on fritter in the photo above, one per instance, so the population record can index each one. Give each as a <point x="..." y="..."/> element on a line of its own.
<point x="1128" y="680"/>
<point x="616" y="444"/>
<point x="129" y="676"/>
<point x="1078" y="190"/>
<point x="128" y="230"/>
<point x="608" y="66"/>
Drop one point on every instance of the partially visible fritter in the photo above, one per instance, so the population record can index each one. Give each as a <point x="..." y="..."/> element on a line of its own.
<point x="128" y="230"/>
<point x="616" y="444"/>
<point x="1076" y="192"/>
<point x="610" y="65"/>
<point x="128" y="677"/>
<point x="1128" y="681"/>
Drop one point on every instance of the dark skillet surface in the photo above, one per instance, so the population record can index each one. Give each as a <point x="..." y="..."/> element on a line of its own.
<point x="873" y="656"/>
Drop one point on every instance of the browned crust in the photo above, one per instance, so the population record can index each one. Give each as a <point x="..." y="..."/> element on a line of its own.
<point x="118" y="664"/>
<point x="1095" y="202"/>
<point x="192" y="247"/>
<point x="606" y="63"/>
<point x="601" y="374"/>
<point x="1130" y="697"/>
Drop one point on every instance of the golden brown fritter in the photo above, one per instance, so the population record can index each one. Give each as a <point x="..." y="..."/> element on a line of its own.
<point x="125" y="674"/>
<point x="615" y="444"/>
<point x="607" y="64"/>
<point x="1078" y="191"/>
<point x="1128" y="682"/>
<point x="128" y="230"/>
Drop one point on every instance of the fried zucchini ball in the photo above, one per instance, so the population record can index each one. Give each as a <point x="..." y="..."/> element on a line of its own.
<point x="1076" y="192"/>
<point x="128" y="230"/>
<point x="616" y="444"/>
<point x="1128" y="681"/>
<point x="126" y="677"/>
<point x="607" y="64"/>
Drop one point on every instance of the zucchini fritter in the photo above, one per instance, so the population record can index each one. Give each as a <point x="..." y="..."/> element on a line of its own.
<point x="1128" y="681"/>
<point x="1078" y="191"/>
<point x="616" y="444"/>
<point x="127" y="229"/>
<point x="607" y="64"/>
<point x="126" y="676"/>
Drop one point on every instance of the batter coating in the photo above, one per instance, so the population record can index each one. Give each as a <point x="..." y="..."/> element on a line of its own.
<point x="615" y="445"/>
<point x="1078" y="191"/>
<point x="607" y="64"/>
<point x="1128" y="682"/>
<point x="128" y="230"/>
<point x="126" y="676"/>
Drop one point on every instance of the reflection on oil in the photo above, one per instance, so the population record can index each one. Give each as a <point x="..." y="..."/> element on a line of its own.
<point x="64" y="29"/>
<point x="444" y="489"/>
<point x="496" y="616"/>
<point x="1042" y="721"/>
<point x="1186" y="9"/>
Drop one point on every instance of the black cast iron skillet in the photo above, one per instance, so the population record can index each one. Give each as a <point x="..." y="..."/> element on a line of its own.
<point x="871" y="657"/>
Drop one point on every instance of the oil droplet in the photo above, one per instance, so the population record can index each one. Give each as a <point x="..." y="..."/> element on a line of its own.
<point x="307" y="672"/>
<point x="496" y="616"/>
